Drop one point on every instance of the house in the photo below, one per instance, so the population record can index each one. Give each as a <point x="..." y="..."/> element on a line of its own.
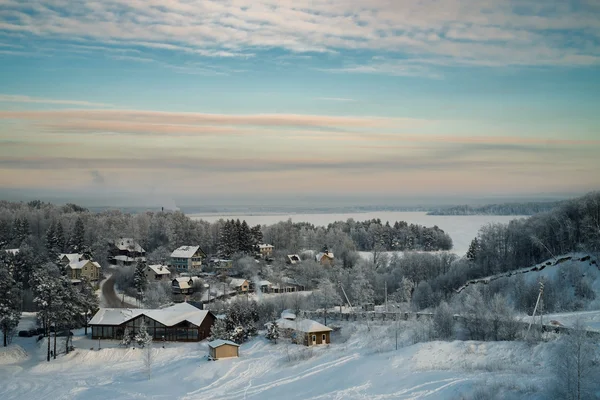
<point x="178" y="323"/>
<point x="187" y="258"/>
<point x="265" y="250"/>
<point x="305" y="331"/>
<point x="264" y="286"/>
<point x="288" y="314"/>
<point x="87" y="269"/>
<point x="293" y="259"/>
<point x="287" y="285"/>
<point x="126" y="251"/>
<point x="157" y="273"/>
<point x="325" y="258"/>
<point x="184" y="285"/>
<point x="240" y="285"/>
<point x="218" y="349"/>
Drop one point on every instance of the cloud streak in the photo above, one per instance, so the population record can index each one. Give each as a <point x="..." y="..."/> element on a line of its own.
<point x="9" y="98"/>
<point x="425" y="33"/>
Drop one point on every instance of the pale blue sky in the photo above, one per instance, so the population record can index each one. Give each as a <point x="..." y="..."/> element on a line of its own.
<point x="202" y="98"/>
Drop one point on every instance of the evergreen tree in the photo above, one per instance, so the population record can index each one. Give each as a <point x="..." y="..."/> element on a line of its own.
<point x="126" y="340"/>
<point x="219" y="330"/>
<point x="143" y="338"/>
<point x="46" y="286"/>
<point x="51" y="246"/>
<point x="59" y="237"/>
<point x="473" y="250"/>
<point x="4" y="234"/>
<point x="21" y="230"/>
<point x="272" y="332"/>
<point x="236" y="236"/>
<point x="257" y="237"/>
<point x="10" y="302"/>
<point x="76" y="243"/>
<point x="88" y="301"/>
<point x="139" y="278"/>
<point x="245" y="242"/>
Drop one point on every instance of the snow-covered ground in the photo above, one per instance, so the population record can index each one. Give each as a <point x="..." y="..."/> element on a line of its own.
<point x="359" y="364"/>
<point x="461" y="228"/>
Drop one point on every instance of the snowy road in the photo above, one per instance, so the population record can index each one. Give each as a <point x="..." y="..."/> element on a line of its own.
<point x="110" y="296"/>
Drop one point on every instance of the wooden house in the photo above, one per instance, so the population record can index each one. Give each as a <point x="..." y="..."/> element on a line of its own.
<point x="126" y="251"/>
<point x="305" y="331"/>
<point x="219" y="349"/>
<point x="183" y="285"/>
<point x="239" y="285"/>
<point x="187" y="259"/>
<point x="179" y="323"/>
<point x="325" y="258"/>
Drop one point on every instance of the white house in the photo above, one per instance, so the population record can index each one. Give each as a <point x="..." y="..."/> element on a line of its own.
<point x="157" y="273"/>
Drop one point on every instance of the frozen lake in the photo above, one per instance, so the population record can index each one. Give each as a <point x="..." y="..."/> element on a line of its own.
<point x="461" y="228"/>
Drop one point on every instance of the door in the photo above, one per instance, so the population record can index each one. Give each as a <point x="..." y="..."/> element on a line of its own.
<point x="324" y="341"/>
<point x="314" y="339"/>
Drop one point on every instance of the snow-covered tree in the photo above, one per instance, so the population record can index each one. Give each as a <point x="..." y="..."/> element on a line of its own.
<point x="77" y="240"/>
<point x="576" y="364"/>
<point x="361" y="290"/>
<point x="327" y="295"/>
<point x="272" y="332"/>
<point x="143" y="338"/>
<point x="139" y="278"/>
<point x="219" y="330"/>
<point x="473" y="250"/>
<point x="10" y="302"/>
<point x="126" y="340"/>
<point x="443" y="321"/>
<point x="47" y="288"/>
<point x="148" y="357"/>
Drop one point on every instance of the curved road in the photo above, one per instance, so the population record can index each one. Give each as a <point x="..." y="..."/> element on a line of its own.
<point x="110" y="296"/>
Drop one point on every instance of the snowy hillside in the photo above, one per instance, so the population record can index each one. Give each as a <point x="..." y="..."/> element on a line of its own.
<point x="362" y="364"/>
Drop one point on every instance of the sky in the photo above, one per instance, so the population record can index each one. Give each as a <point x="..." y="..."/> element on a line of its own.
<point x="185" y="101"/>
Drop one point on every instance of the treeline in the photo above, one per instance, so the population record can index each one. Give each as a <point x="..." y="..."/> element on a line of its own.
<point x="49" y="230"/>
<point x="530" y="208"/>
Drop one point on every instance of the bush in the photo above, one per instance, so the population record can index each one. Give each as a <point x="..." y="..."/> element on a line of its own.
<point x="443" y="322"/>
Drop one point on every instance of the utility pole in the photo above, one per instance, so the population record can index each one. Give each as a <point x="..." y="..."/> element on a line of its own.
<point x="385" y="296"/>
<point x="535" y="309"/>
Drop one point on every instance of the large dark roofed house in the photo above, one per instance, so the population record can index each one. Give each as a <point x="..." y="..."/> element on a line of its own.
<point x="126" y="251"/>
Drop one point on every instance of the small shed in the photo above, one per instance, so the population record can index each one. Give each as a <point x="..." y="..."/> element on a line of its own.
<point x="218" y="349"/>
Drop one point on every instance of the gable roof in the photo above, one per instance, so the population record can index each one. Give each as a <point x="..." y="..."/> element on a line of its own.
<point x="304" y="325"/>
<point x="219" y="342"/>
<point x="265" y="246"/>
<point x="329" y="255"/>
<point x="83" y="263"/>
<point x="183" y="283"/>
<point x="237" y="282"/>
<point x="168" y="316"/>
<point x="185" y="251"/>
<point x="73" y="257"/>
<point x="159" y="269"/>
<point x="128" y="244"/>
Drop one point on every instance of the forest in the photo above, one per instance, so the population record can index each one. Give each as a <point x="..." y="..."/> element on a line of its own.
<point x="528" y="208"/>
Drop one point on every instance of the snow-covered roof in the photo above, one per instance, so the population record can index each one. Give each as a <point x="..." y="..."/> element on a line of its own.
<point x="237" y="282"/>
<point x="219" y="342"/>
<point x="265" y="246"/>
<point x="293" y="258"/>
<point x="128" y="244"/>
<point x="183" y="283"/>
<point x="329" y="255"/>
<point x="159" y="269"/>
<point x="14" y="252"/>
<point x="168" y="316"/>
<point x="74" y="257"/>
<point x="287" y="314"/>
<point x="83" y="263"/>
<point x="264" y="283"/>
<point x="124" y="258"/>
<point x="185" y="252"/>
<point x="304" y="325"/>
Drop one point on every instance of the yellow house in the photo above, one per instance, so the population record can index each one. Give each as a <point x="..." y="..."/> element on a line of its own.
<point x="84" y="269"/>
<point x="266" y="250"/>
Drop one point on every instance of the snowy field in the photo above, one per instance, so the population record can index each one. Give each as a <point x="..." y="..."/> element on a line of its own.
<point x="461" y="228"/>
<point x="359" y="364"/>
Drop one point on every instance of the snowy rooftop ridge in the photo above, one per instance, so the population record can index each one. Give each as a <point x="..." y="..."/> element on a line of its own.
<point x="159" y="269"/>
<point x="185" y="251"/>
<point x="220" y="342"/>
<point x="72" y="257"/>
<point x="167" y="316"/>
<point x="82" y="263"/>
<point x="128" y="244"/>
<point x="237" y="282"/>
<point x="304" y="325"/>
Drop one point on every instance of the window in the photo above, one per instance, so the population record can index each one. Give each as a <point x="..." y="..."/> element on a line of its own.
<point x="314" y="338"/>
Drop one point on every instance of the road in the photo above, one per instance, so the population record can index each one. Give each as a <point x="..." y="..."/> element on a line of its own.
<point x="110" y="296"/>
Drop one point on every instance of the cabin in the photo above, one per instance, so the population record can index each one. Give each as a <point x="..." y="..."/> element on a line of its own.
<point x="287" y="285"/>
<point x="184" y="285"/>
<point x="178" y="323"/>
<point x="240" y="285"/>
<point x="126" y="251"/>
<point x="305" y="331"/>
<point x="325" y="258"/>
<point x="293" y="259"/>
<point x="156" y="273"/>
<point x="264" y="286"/>
<point x="187" y="259"/>
<point x="219" y="349"/>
